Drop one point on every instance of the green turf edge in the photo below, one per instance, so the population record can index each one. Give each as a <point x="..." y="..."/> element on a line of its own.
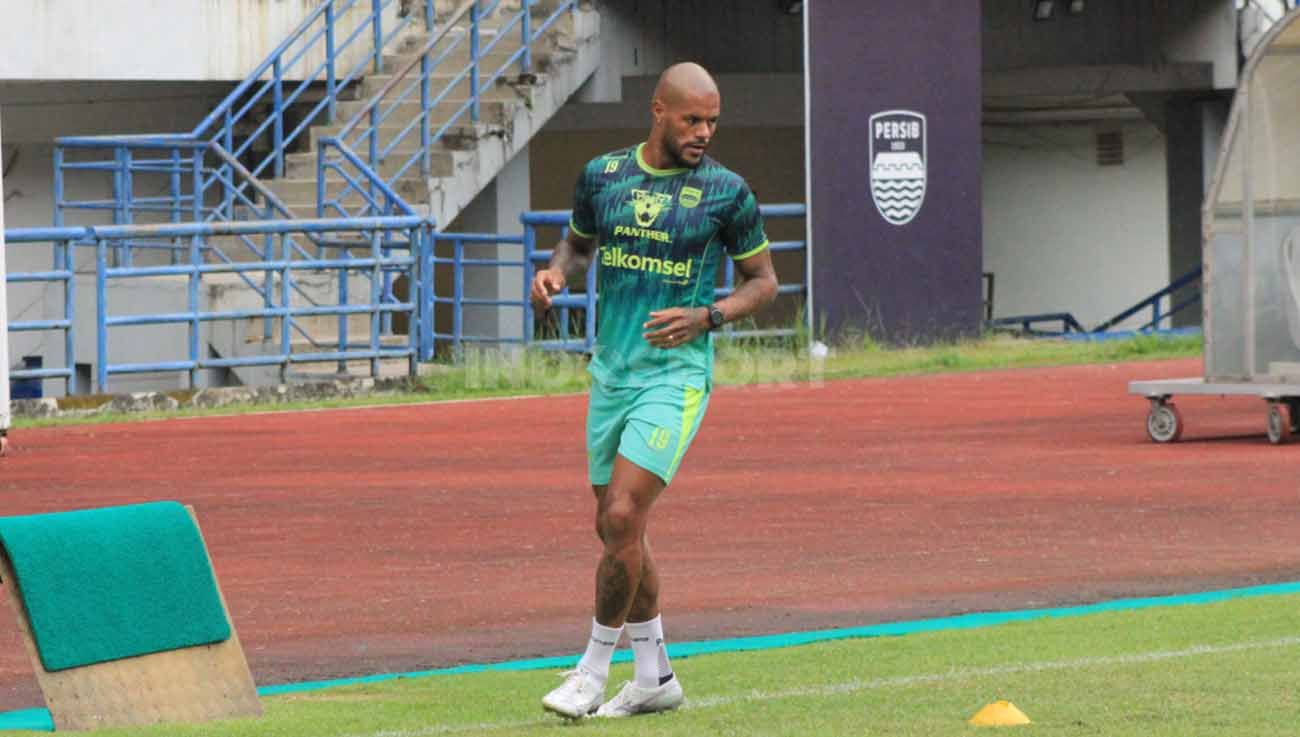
<point x="39" y="719"/>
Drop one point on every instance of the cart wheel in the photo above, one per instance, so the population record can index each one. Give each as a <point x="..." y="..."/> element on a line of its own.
<point x="1164" y="422"/>
<point x="1280" y="423"/>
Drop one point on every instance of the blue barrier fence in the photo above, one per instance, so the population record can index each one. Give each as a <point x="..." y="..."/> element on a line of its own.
<point x="1181" y="294"/>
<point x="339" y="255"/>
<point x="389" y="245"/>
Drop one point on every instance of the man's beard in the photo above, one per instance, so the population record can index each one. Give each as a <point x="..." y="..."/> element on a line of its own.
<point x="675" y="153"/>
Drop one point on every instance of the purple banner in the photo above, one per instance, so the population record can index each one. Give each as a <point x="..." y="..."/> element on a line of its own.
<point x="895" y="167"/>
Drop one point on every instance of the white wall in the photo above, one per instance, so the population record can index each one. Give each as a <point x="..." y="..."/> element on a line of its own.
<point x="1063" y="234"/>
<point x="154" y="39"/>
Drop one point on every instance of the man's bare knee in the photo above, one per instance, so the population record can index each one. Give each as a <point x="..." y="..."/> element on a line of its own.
<point x="620" y="524"/>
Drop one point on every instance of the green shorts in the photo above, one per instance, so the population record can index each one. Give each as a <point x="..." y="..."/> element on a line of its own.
<point x="651" y="426"/>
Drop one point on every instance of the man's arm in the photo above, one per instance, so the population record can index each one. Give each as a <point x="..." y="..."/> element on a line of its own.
<point x="569" y="262"/>
<point x="678" y="325"/>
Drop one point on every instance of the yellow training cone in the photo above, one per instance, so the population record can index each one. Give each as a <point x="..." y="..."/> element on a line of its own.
<point x="999" y="714"/>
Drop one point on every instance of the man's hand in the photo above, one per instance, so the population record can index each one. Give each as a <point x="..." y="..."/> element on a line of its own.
<point x="546" y="283"/>
<point x="676" y="326"/>
<point x="4" y="443"/>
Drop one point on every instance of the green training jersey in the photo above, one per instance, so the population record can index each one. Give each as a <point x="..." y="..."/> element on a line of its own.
<point x="660" y="236"/>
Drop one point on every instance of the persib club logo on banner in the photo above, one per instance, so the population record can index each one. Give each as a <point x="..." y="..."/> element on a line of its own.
<point x="898" y="164"/>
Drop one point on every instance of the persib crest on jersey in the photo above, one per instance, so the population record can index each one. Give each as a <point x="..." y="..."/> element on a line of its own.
<point x="689" y="197"/>
<point x="898" y="164"/>
<point x="648" y="205"/>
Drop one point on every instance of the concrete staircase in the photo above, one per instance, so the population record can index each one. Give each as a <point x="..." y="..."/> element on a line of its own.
<point x="463" y="162"/>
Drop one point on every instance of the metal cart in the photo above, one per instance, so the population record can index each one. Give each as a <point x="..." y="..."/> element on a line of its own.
<point x="1250" y="250"/>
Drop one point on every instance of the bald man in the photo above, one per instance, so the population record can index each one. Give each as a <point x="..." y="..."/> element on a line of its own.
<point x="660" y="217"/>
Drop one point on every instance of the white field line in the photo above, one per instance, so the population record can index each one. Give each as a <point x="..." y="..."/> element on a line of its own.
<point x="871" y="684"/>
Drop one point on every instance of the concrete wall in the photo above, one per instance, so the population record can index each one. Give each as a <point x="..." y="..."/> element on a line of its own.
<point x="1146" y="33"/>
<point x="156" y="39"/>
<point x="642" y="37"/>
<point x="1062" y="233"/>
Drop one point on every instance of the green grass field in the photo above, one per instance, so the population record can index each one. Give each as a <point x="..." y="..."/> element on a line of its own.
<point x="1229" y="668"/>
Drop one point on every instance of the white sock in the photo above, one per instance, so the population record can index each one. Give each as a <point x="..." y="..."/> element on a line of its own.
<point x="600" y="648"/>
<point x="650" y="652"/>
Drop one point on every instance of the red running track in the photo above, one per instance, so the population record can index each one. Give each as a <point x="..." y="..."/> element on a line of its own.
<point x="359" y="541"/>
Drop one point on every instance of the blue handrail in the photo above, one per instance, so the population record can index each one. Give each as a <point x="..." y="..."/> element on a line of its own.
<point x="361" y="133"/>
<point x="1069" y="324"/>
<point x="284" y="263"/>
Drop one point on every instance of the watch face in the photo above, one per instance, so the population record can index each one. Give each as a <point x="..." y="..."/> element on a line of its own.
<point x="716" y="318"/>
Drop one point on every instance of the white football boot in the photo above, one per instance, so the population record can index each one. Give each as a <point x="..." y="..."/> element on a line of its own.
<point x="633" y="699"/>
<point x="579" y="695"/>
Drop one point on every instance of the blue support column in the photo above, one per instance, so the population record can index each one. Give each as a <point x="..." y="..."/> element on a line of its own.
<point x="426" y="304"/>
<point x="286" y="323"/>
<point x="58" y="186"/>
<point x="530" y="271"/>
<point x="458" y="295"/>
<point x="66" y="263"/>
<point x="175" y="183"/>
<point x="101" y="317"/>
<point x="376" y="296"/>
<point x="196" y="205"/>
<point x="192" y="295"/>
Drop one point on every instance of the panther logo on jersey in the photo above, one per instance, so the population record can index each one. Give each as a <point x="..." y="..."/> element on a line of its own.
<point x="648" y="205"/>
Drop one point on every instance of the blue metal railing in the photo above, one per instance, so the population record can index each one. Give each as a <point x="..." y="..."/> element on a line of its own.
<point x="393" y="247"/>
<point x="326" y="52"/>
<point x="1190" y="281"/>
<point x="396" y="144"/>
<point x="61" y="274"/>
<point x="1155" y="301"/>
<point x="407" y="237"/>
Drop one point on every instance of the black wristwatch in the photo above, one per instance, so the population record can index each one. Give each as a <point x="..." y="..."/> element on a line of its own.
<point x="716" y="318"/>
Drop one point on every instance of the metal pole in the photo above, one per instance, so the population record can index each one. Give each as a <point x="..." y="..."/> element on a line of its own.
<point x="176" y="199"/>
<point x="426" y="303"/>
<point x="69" y="306"/>
<point x="527" y="33"/>
<point x="426" y="158"/>
<point x="457" y="304"/>
<point x="377" y="10"/>
<point x="192" y="294"/>
<point x="1248" y="255"/>
<point x="530" y="245"/>
<point x="4" y="325"/>
<point x="287" y="322"/>
<point x="345" y="253"/>
<point x="330" y="82"/>
<point x="58" y="186"/>
<point x="277" y="123"/>
<point x="473" y="62"/>
<point x="377" y="275"/>
<point x="128" y="185"/>
<point x="101" y="317"/>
